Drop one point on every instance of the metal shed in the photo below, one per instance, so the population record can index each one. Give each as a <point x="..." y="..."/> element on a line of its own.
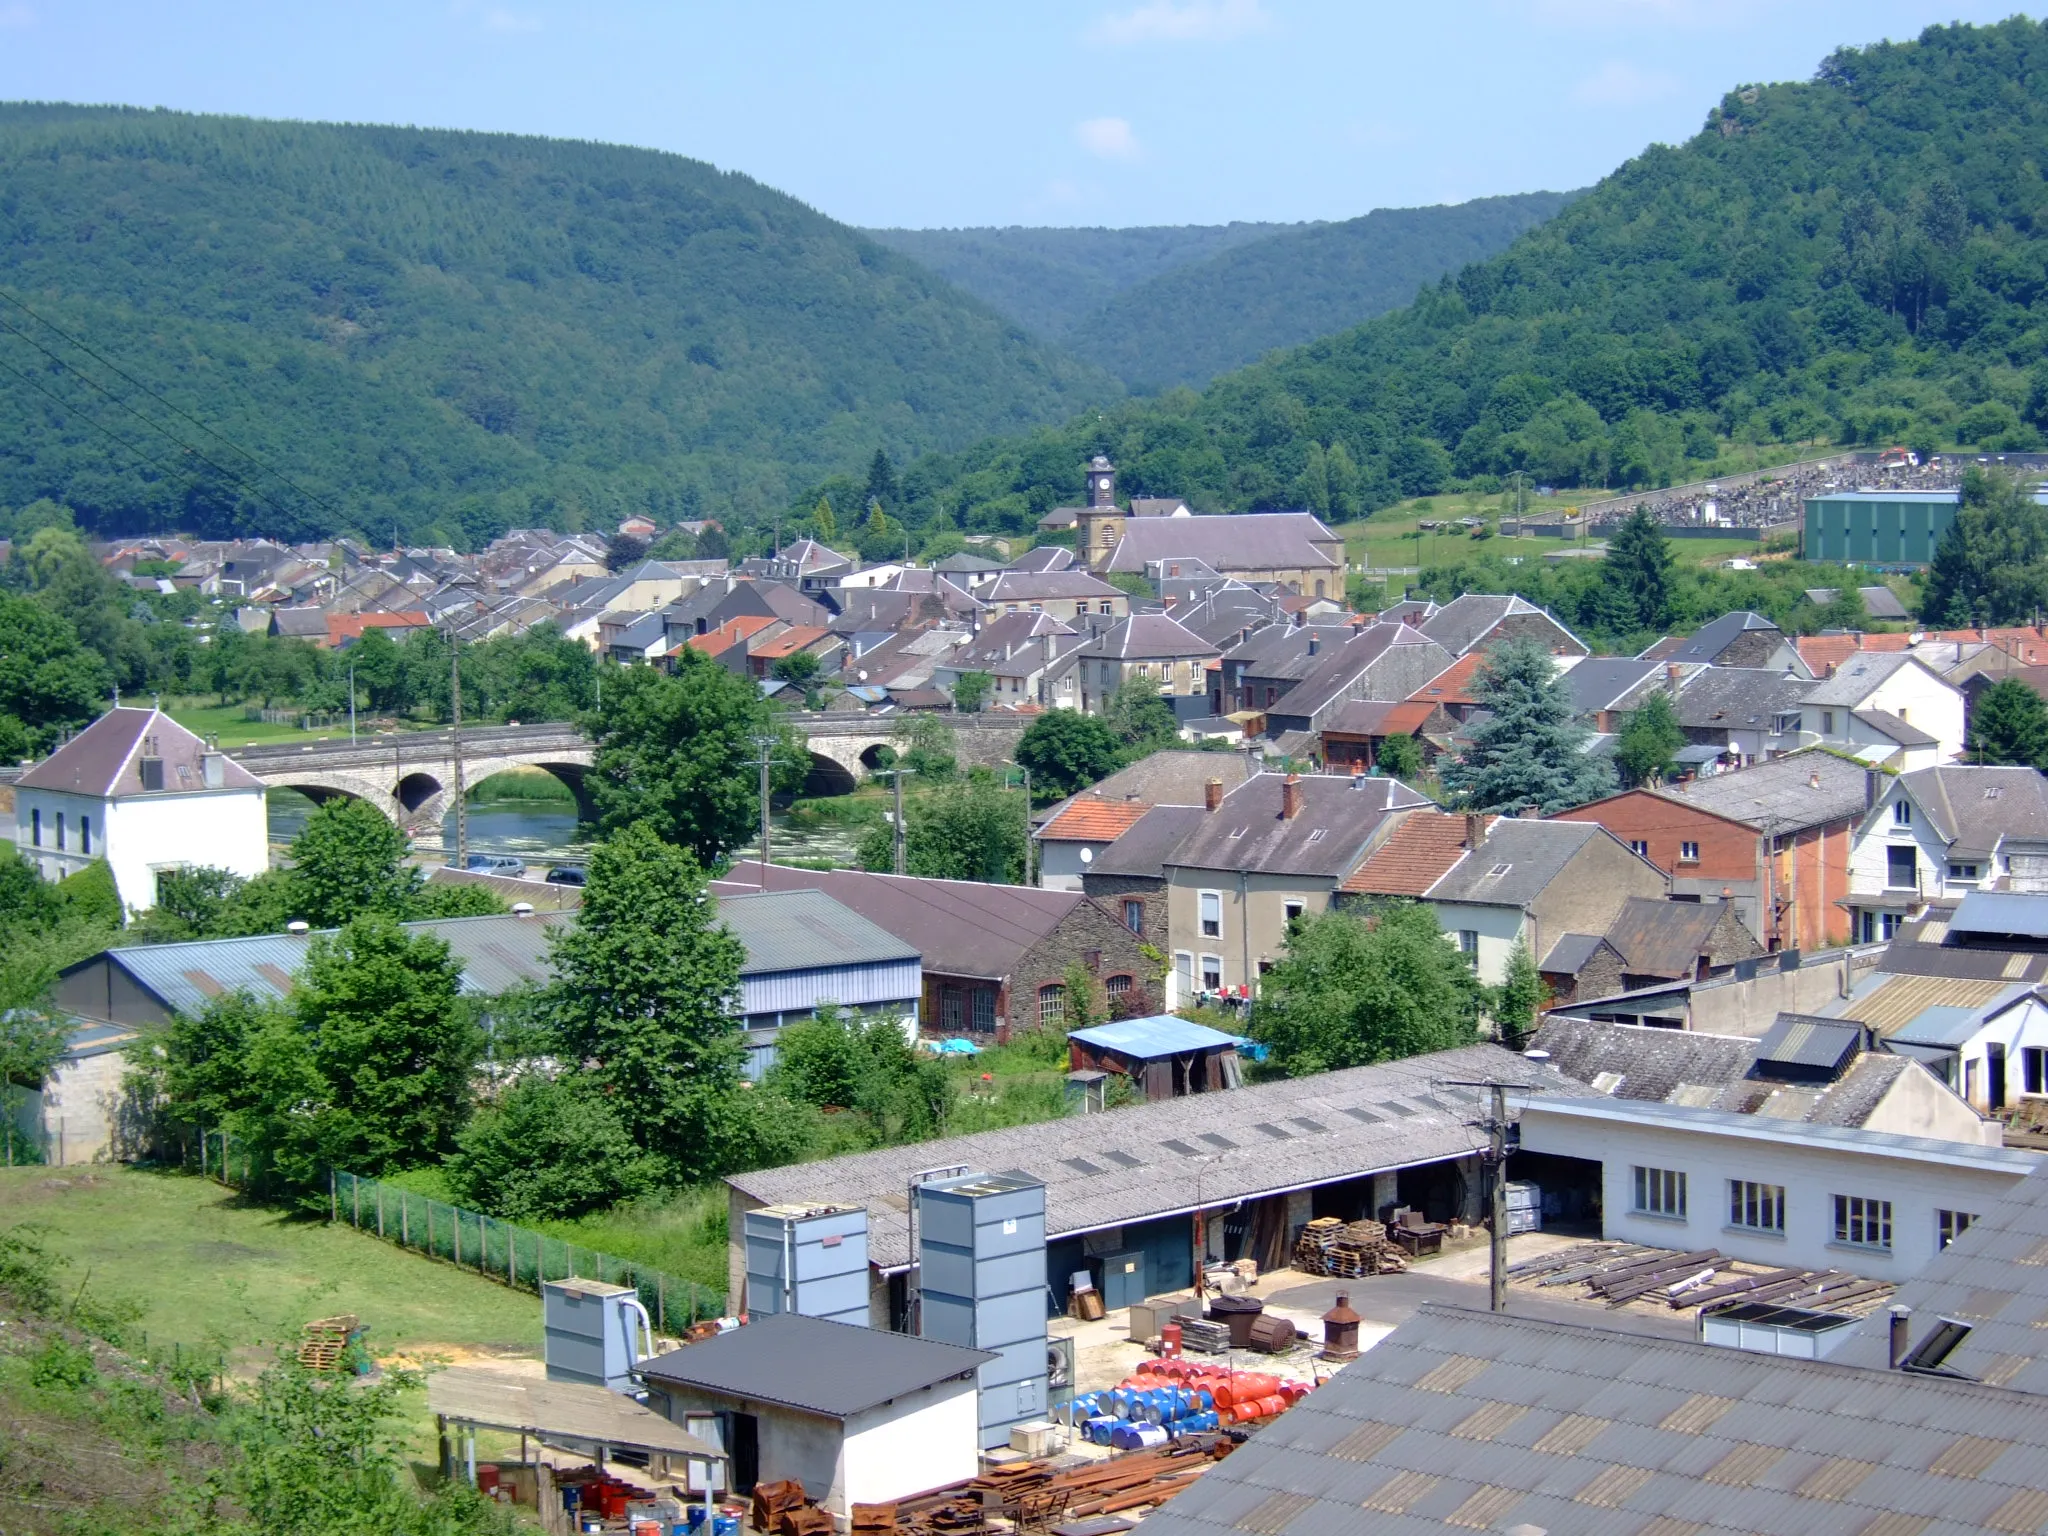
<point x="1164" y="1056"/>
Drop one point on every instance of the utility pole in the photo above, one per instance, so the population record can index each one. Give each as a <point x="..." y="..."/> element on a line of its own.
<point x="351" y="703"/>
<point x="896" y="774"/>
<point x="1495" y="1159"/>
<point x="1027" y="828"/>
<point x="764" y="762"/>
<point x="455" y="745"/>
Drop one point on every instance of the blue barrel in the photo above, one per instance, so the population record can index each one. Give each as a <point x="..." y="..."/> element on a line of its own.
<point x="725" y="1525"/>
<point x="1146" y="1435"/>
<point x="1099" y="1428"/>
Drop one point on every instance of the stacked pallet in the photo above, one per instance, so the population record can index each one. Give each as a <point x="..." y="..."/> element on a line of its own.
<point x="1202" y="1336"/>
<point x="1346" y="1250"/>
<point x="327" y="1340"/>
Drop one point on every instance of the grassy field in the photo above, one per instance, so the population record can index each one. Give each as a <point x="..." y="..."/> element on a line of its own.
<point x="209" y="1271"/>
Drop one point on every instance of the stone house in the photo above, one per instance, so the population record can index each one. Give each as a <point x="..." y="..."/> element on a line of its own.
<point x="1479" y="621"/>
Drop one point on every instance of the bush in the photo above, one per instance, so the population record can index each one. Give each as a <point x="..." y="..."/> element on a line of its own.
<point x="546" y="1151"/>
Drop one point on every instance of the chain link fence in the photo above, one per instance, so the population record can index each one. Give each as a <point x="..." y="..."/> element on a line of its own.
<point x="512" y="1255"/>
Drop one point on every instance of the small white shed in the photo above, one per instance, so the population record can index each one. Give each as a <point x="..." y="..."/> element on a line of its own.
<point x="857" y="1415"/>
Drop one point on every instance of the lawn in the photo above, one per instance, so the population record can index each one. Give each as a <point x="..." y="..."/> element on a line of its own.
<point x="227" y="722"/>
<point x="210" y="1271"/>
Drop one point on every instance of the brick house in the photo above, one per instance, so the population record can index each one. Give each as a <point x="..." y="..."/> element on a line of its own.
<point x="996" y="957"/>
<point x="1775" y="837"/>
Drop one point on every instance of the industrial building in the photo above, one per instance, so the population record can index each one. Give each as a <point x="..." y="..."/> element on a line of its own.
<point x="1132" y="1194"/>
<point x="1884" y="528"/>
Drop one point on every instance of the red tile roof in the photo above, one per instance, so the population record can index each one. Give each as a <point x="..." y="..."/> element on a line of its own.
<point x="729" y="634"/>
<point x="1420" y="852"/>
<point x="1453" y="685"/>
<point x="350" y="626"/>
<point x="1092" y="819"/>
<point x="792" y="640"/>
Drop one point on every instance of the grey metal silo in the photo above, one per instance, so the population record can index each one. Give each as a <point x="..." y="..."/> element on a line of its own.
<point x="808" y="1259"/>
<point x="981" y="1268"/>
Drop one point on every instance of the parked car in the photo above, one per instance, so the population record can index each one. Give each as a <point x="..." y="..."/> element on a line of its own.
<point x="568" y="874"/>
<point x="496" y="864"/>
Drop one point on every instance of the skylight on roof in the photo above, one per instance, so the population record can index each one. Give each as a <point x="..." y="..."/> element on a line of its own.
<point x="1308" y="1125"/>
<point x="1394" y="1107"/>
<point x="1080" y="1165"/>
<point x="1177" y="1145"/>
<point x="1123" y="1159"/>
<point x="1266" y="1127"/>
<point x="1316" y="835"/>
<point x="1363" y="1116"/>
<point x="1220" y="1143"/>
<point x="1240" y="832"/>
<point x="1498" y="870"/>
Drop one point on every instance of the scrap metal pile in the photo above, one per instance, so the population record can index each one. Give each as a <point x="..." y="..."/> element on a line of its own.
<point x="1619" y="1273"/>
<point x="1031" y="1496"/>
<point x="1346" y="1249"/>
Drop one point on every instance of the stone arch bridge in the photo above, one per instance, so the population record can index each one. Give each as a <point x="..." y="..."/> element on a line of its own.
<point x="407" y="775"/>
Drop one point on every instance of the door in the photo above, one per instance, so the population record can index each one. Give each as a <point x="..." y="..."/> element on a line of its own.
<point x="1123" y="1280"/>
<point x="1994" y="1073"/>
<point x="746" y="1452"/>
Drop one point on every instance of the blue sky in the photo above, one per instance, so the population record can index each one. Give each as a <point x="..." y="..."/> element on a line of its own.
<point x="922" y="113"/>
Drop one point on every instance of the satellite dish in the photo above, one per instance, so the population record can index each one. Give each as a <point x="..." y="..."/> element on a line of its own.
<point x="863" y="674"/>
<point x="1087" y="855"/>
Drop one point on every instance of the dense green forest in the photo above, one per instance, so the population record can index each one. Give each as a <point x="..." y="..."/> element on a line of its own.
<point x="456" y="332"/>
<point x="1049" y="280"/>
<point x="1854" y="259"/>
<point x="1190" y="324"/>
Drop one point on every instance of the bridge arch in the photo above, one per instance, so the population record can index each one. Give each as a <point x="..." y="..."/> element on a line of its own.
<point x="415" y="790"/>
<point x="570" y="773"/>
<point x="830" y="776"/>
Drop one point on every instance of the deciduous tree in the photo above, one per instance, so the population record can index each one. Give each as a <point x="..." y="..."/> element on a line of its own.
<point x="1067" y="751"/>
<point x="1650" y="740"/>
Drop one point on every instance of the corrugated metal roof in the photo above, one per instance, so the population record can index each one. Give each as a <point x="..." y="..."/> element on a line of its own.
<point x="1801" y="1040"/>
<point x="1889" y="1001"/>
<point x="1623" y="1435"/>
<point x="805" y="930"/>
<point x="1108" y="1169"/>
<point x="1682" y="1117"/>
<point x="1162" y="1034"/>
<point x="2001" y="912"/>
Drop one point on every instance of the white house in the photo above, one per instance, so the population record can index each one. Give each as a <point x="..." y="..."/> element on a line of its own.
<point x="1938" y="834"/>
<point x="139" y="790"/>
<point x="1781" y="1193"/>
<point x="1891" y="701"/>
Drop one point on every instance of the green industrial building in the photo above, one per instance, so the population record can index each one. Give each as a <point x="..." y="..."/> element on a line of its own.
<point x="1881" y="528"/>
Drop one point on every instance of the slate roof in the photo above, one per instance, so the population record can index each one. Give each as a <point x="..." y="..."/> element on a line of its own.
<point x="1373" y="717"/>
<point x="1339" y="816"/>
<point x="1245" y="541"/>
<point x="1092" y="819"/>
<point x="961" y="927"/>
<point x="1135" y="1163"/>
<point x="1150" y="636"/>
<point x="1012" y="586"/>
<point x="1974" y="808"/>
<point x="1706" y="643"/>
<point x="1170" y="776"/>
<point x="1337" y="667"/>
<point x="1516" y="862"/>
<point x="1738" y="698"/>
<point x="1282" y="650"/>
<point x="1142" y="850"/>
<point x="104" y="759"/>
<point x="1610" y="682"/>
<point x="1047" y="557"/>
<point x="1893" y="728"/>
<point x="1418" y="853"/>
<point x="1573" y="952"/>
<point x="1856" y="678"/>
<point x="1464" y="621"/>
<point x="805" y="930"/>
<point x="835" y="1369"/>
<point x="1993" y="1277"/>
<point x="1882" y="603"/>
<point x="1780" y="794"/>
<point x="1471" y="1421"/>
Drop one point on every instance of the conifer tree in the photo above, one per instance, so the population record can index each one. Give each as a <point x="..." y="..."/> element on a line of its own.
<point x="1529" y="752"/>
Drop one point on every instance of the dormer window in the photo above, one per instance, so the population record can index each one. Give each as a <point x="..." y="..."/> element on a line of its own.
<point x="1902" y="813"/>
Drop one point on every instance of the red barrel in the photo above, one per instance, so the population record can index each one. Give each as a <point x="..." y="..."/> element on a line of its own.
<point x="1169" y="1342"/>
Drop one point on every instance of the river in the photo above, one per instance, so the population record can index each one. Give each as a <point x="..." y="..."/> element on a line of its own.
<point x="545" y="832"/>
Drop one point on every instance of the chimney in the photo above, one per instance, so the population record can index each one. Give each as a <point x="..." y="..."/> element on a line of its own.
<point x="1873" y="787"/>
<point x="212" y="770"/>
<point x="1290" y="797"/>
<point x="1901" y="1333"/>
<point x="1813" y="779"/>
<point x="1315" y="642"/>
<point x="1671" y="678"/>
<point x="1212" y="794"/>
<point x="1475" y="830"/>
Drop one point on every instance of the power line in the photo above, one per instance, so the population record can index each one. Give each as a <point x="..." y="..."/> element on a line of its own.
<point x="139" y="452"/>
<point x="168" y="404"/>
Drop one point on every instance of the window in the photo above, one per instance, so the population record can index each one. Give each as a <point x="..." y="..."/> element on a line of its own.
<point x="35" y="828"/>
<point x="60" y="831"/>
<point x="1052" y="1006"/>
<point x="1212" y="914"/>
<point x="1902" y="867"/>
<point x="1893" y="922"/>
<point x="1108" y="609"/>
<point x="1292" y="910"/>
<point x="1950" y="1225"/>
<point x="1117" y="986"/>
<point x="1962" y="871"/>
<point x="1134" y="916"/>
<point x="1468" y="945"/>
<point x="1212" y="973"/>
<point x="2033" y="1060"/>
<point x="1757" y="1207"/>
<point x="1862" y="1222"/>
<point x="1902" y="813"/>
<point x="1660" y="1192"/>
<point x="85" y="834"/>
<point x="1640" y="847"/>
<point x="1688" y="853"/>
<point x="1827" y="722"/>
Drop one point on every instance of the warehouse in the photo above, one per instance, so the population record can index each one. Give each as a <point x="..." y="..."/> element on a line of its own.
<point x="1130" y="1193"/>
<point x="1878" y="527"/>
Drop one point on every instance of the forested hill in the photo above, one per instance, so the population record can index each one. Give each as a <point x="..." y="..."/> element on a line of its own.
<point x="1858" y="258"/>
<point x="1203" y="318"/>
<point x="460" y="332"/>
<point x="1049" y="280"/>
